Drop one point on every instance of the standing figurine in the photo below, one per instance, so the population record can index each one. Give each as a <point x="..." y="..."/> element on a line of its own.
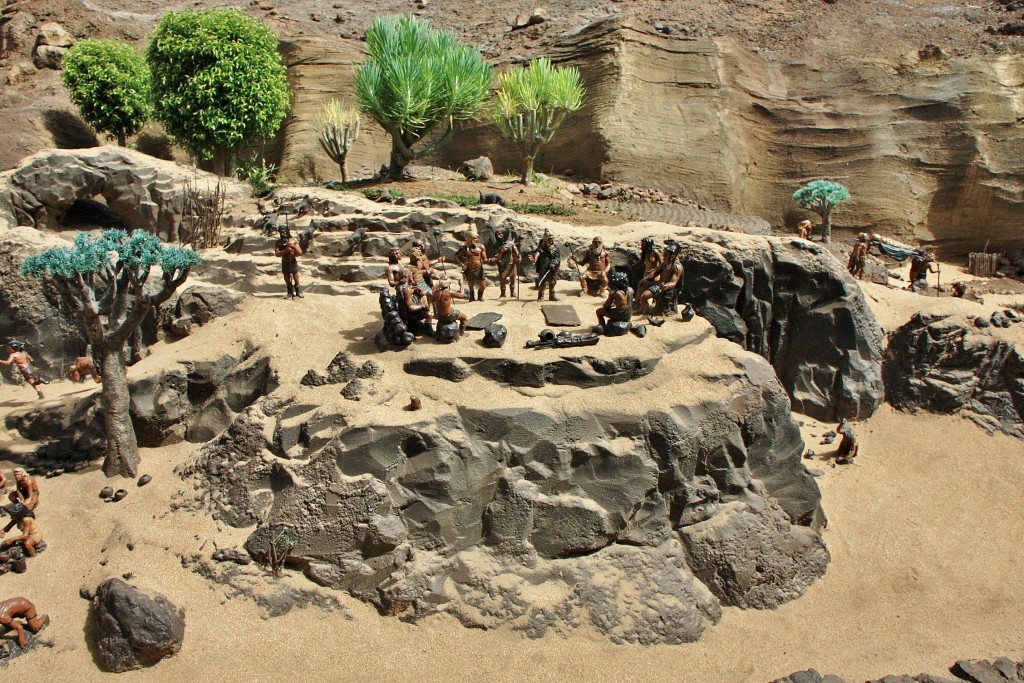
<point x="471" y="257"/>
<point x="663" y="282"/>
<point x="288" y="250"/>
<point x="848" y="445"/>
<point x="81" y="368"/>
<point x="13" y="608"/>
<point x="618" y="307"/>
<point x="444" y="306"/>
<point x="859" y="256"/>
<point x="597" y="263"/>
<point x="508" y="259"/>
<point x="394" y="268"/>
<point x="19" y="356"/>
<point x="921" y="263"/>
<point x="805" y="228"/>
<point x="548" y="259"/>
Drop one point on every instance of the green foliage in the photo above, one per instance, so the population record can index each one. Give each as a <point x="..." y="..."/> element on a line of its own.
<point x="542" y="209"/>
<point x="531" y="104"/>
<point x="218" y="81"/>
<point x="372" y="193"/>
<point x="339" y="128"/>
<point x="415" y="79"/>
<point x="109" y="83"/>
<point x="258" y="174"/>
<point x="93" y="253"/>
<point x="821" y="196"/>
<point x="460" y="199"/>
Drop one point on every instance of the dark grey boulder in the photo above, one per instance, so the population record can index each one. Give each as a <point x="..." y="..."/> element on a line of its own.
<point x="477" y="169"/>
<point x="129" y="628"/>
<point x="199" y="305"/>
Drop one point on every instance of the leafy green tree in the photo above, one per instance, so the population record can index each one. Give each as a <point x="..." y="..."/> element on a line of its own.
<point x="339" y="128"/>
<point x="532" y="103"/>
<point x="109" y="83"/>
<point x="416" y="79"/>
<point x="104" y="279"/>
<point x="218" y="82"/>
<point x="821" y="196"/>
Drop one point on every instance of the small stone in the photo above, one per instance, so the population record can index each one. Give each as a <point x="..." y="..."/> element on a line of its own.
<point x="809" y="454"/>
<point x="415" y="403"/>
<point x="144" y="479"/>
<point x="982" y="322"/>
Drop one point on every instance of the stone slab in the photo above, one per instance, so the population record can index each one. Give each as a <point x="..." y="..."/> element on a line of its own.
<point x="561" y="315"/>
<point x="482" y="320"/>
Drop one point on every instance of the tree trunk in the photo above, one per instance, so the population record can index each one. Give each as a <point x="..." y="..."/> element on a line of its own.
<point x="122" y="457"/>
<point x="122" y="140"/>
<point x="528" y="173"/>
<point x="826" y="226"/>
<point x="230" y="162"/>
<point x="344" y="171"/>
<point x="396" y="169"/>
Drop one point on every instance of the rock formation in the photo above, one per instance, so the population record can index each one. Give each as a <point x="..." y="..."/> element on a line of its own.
<point x="945" y="364"/>
<point x="130" y="628"/>
<point x="1002" y="670"/>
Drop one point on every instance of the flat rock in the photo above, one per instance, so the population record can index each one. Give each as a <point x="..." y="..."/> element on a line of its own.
<point x="561" y="315"/>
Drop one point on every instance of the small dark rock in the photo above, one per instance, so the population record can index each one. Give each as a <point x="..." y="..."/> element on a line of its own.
<point x="129" y="628"/>
<point x="144" y="479"/>
<point x="231" y="555"/>
<point x="982" y="322"/>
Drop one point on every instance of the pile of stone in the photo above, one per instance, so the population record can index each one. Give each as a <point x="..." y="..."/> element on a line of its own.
<point x="628" y="193"/>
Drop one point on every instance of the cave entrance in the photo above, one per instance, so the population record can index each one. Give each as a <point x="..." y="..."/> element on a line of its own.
<point x="89" y="214"/>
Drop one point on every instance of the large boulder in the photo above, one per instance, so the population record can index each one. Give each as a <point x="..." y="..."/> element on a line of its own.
<point x="131" y="628"/>
<point x="944" y="363"/>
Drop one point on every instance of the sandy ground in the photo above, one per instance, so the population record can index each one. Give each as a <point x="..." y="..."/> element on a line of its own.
<point x="925" y="531"/>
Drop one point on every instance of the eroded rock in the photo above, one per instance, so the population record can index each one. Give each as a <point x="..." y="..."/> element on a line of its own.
<point x="130" y="628"/>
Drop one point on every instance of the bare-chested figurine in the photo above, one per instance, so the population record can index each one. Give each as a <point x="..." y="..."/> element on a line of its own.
<point x="14" y="608"/>
<point x="663" y="281"/>
<point x="418" y="259"/>
<point x="443" y="299"/>
<point x="597" y="263"/>
<point x="651" y="259"/>
<point x="805" y="227"/>
<point x="921" y="263"/>
<point x="287" y="249"/>
<point x="471" y="257"/>
<point x="16" y="510"/>
<point x="394" y="268"/>
<point x="414" y="301"/>
<point x="20" y="357"/>
<point x="29" y="538"/>
<point x="848" y="445"/>
<point x="27" y="488"/>
<point x="81" y="368"/>
<point x="618" y="307"/>
<point x="508" y="260"/>
<point x="859" y="256"/>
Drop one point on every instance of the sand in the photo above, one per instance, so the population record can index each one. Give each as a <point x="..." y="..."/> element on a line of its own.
<point x="925" y="531"/>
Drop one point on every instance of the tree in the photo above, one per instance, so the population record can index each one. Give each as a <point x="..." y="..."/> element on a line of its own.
<point x="531" y="105"/>
<point x="218" y="82"/>
<point x="821" y="196"/>
<point x="415" y="80"/>
<point x="109" y="83"/>
<point x="339" y="128"/>
<point x="104" y="280"/>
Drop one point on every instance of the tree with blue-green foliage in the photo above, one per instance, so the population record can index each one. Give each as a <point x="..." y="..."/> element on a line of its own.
<point x="821" y="196"/>
<point x="531" y="104"/>
<point x="109" y="83"/>
<point x="218" y="82"/>
<point x="415" y="80"/>
<point x="106" y="279"/>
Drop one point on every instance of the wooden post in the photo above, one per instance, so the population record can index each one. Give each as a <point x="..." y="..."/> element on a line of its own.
<point x="982" y="264"/>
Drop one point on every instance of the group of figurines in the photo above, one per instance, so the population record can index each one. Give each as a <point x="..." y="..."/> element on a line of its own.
<point x="80" y="368"/>
<point x="922" y="262"/>
<point x="425" y="292"/>
<point x="27" y="540"/>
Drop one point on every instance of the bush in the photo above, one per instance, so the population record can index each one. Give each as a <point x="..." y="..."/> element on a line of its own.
<point x="258" y="174"/>
<point x="109" y="83"/>
<point x="218" y="82"/>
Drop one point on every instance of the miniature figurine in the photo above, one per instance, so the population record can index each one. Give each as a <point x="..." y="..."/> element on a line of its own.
<point x="27" y="488"/>
<point x="959" y="289"/>
<point x="651" y="259"/>
<point x="16" y="510"/>
<point x="413" y="302"/>
<point x="662" y="287"/>
<point x="597" y="263"/>
<point x="13" y="608"/>
<point x="418" y="258"/>
<point x="3" y="481"/>
<point x="20" y="357"/>
<point x="444" y="309"/>
<point x="82" y="367"/>
<point x="858" y="255"/>
<point x="548" y="259"/>
<point x="508" y="259"/>
<point x="471" y="257"/>
<point x="618" y="307"/>
<point x="921" y="263"/>
<point x="30" y="537"/>
<point x="394" y="266"/>
<point x="848" y="445"/>
<point x="805" y="227"/>
<point x="287" y="248"/>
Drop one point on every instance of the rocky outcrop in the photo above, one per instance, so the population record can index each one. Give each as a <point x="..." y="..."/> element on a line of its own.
<point x="193" y="402"/>
<point x="1002" y="670"/>
<point x="469" y="510"/>
<point x="143" y="192"/>
<point x="946" y="364"/>
<point x="198" y="305"/>
<point x="130" y="628"/>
